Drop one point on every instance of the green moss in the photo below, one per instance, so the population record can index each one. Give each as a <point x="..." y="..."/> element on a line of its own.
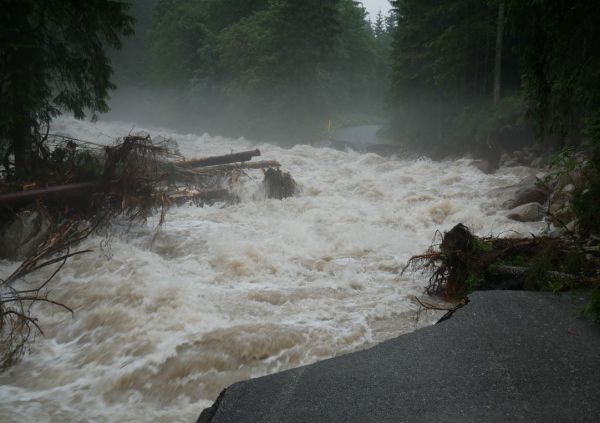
<point x="592" y="309"/>
<point x="473" y="283"/>
<point x="482" y="245"/>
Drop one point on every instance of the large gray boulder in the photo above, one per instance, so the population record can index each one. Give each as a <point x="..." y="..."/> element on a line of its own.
<point x="526" y="191"/>
<point x="531" y="212"/>
<point x="529" y="194"/>
<point x="484" y="166"/>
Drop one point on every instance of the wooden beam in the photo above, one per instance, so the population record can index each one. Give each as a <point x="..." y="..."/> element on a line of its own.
<point x="244" y="156"/>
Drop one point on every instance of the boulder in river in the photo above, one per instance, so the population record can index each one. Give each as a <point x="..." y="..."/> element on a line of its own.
<point x="484" y="166"/>
<point x="529" y="194"/>
<point x="526" y="191"/>
<point x="531" y="212"/>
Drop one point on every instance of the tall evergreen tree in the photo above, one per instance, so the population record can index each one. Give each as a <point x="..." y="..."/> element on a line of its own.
<point x="560" y="64"/>
<point x="267" y="67"/>
<point x="379" y="25"/>
<point x="53" y="60"/>
<point x="443" y="66"/>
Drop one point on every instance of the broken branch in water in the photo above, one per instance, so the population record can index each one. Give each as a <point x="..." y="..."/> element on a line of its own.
<point x="17" y="324"/>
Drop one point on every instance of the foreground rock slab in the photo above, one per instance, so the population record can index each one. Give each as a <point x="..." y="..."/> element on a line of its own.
<point x="507" y="356"/>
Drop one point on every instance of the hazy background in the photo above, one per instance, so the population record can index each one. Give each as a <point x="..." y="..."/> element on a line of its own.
<point x="374" y="6"/>
<point x="288" y="73"/>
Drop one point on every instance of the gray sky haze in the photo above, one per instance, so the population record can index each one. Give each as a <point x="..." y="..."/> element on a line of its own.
<point x="373" y="6"/>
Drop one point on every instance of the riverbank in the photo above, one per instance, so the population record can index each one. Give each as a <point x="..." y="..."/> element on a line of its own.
<point x="506" y="356"/>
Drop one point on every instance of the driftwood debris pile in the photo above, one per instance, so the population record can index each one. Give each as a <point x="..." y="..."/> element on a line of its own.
<point x="135" y="171"/>
<point x="79" y="186"/>
<point x="460" y="263"/>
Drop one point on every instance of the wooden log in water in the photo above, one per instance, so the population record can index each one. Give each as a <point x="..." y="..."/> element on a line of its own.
<point x="210" y="170"/>
<point x="243" y="156"/>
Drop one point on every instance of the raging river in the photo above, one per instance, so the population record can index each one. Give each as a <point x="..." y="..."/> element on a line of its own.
<point x="166" y="318"/>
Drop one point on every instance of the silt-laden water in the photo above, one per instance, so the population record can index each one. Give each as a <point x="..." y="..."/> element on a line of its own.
<point x="165" y="319"/>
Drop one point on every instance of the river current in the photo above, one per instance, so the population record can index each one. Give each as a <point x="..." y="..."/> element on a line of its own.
<point x="166" y="318"/>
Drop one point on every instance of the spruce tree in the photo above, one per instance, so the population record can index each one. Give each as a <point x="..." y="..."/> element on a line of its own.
<point x="53" y="60"/>
<point x="560" y="64"/>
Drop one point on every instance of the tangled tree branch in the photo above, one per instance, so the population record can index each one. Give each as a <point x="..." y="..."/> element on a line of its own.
<point x="17" y="324"/>
<point x="462" y="262"/>
<point x="83" y="186"/>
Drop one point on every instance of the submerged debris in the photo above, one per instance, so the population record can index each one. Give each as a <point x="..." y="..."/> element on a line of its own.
<point x="133" y="177"/>
<point x="278" y="184"/>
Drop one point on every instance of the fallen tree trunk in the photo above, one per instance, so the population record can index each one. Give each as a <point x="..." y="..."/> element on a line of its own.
<point x="243" y="156"/>
<point x="226" y="168"/>
<point x="57" y="192"/>
<point x="86" y="189"/>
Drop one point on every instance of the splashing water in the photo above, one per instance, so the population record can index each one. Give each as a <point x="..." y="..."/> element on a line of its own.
<point x="165" y="320"/>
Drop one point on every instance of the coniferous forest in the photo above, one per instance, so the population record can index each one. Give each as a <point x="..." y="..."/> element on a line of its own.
<point x="282" y="69"/>
<point x="448" y="76"/>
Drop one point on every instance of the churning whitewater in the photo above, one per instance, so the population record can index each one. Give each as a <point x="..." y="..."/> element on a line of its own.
<point x="166" y="318"/>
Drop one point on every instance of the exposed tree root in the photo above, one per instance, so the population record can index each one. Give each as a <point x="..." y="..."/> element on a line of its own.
<point x="450" y="310"/>
<point x="461" y="262"/>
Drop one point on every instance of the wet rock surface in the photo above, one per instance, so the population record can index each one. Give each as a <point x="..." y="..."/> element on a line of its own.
<point x="529" y="194"/>
<point x="507" y="356"/>
<point x="484" y="166"/>
<point x="530" y="212"/>
<point x="23" y="235"/>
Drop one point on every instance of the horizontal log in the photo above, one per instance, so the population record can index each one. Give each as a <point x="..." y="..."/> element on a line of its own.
<point x="57" y="192"/>
<point x="243" y="156"/>
<point x="265" y="164"/>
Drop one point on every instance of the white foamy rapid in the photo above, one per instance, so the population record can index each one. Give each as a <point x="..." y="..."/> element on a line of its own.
<point x="164" y="321"/>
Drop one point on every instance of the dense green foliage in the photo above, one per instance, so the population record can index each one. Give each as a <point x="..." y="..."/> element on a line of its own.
<point x="53" y="60"/>
<point x="559" y="62"/>
<point x="443" y="72"/>
<point x="275" y="68"/>
<point x="445" y="61"/>
<point x="487" y="76"/>
<point x="560" y="70"/>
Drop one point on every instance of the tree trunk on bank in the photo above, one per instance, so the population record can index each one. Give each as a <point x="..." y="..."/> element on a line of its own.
<point x="498" y="61"/>
<point x="24" y="65"/>
<point x="22" y="139"/>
